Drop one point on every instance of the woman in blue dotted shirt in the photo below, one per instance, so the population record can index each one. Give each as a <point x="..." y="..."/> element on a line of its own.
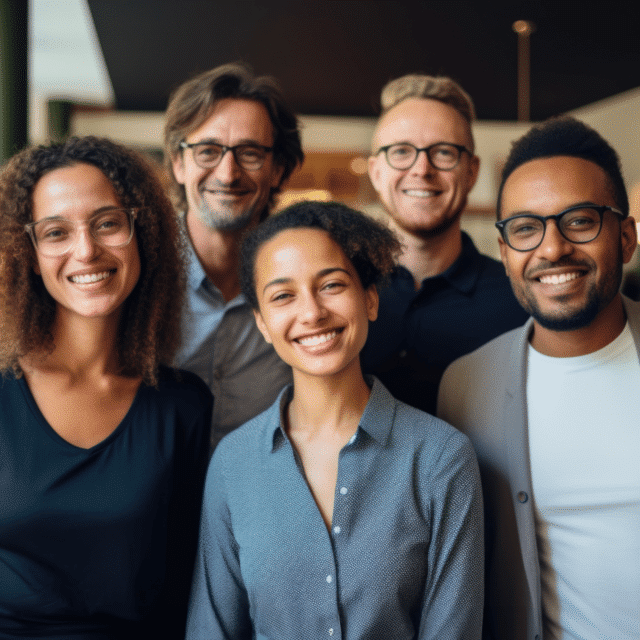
<point x="339" y="512"/>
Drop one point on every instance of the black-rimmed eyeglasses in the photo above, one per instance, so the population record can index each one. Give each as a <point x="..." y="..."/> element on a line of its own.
<point x="208" y="155"/>
<point x="578" y="224"/>
<point x="442" y="155"/>
<point x="55" y="236"/>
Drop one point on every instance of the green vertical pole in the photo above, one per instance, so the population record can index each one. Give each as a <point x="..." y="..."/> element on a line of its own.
<point x="13" y="76"/>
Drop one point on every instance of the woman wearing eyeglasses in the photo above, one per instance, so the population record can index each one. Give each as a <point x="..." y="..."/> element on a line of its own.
<point x="102" y="446"/>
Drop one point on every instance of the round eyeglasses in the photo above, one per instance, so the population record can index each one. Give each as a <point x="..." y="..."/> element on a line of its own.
<point x="442" y="155"/>
<point x="208" y="155"/>
<point x="578" y="224"/>
<point x="55" y="236"/>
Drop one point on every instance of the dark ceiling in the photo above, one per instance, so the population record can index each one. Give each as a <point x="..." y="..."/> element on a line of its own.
<point x="331" y="57"/>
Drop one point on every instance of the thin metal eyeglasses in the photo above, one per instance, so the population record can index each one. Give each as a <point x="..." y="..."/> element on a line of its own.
<point x="208" y="155"/>
<point x="579" y="224"/>
<point x="442" y="155"/>
<point x="55" y="236"/>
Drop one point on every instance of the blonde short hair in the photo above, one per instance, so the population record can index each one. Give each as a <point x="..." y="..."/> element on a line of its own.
<point x="438" y="88"/>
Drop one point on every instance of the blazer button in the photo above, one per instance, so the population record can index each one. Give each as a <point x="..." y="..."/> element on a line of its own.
<point x="522" y="496"/>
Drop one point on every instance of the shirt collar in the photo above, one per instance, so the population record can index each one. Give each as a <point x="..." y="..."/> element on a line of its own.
<point x="377" y="418"/>
<point x="465" y="271"/>
<point x="196" y="276"/>
<point x="462" y="274"/>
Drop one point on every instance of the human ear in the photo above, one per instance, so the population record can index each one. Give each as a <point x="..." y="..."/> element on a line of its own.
<point x="262" y="327"/>
<point x="503" y="253"/>
<point x="372" y="302"/>
<point x="373" y="166"/>
<point x="628" y="238"/>
<point x="177" y="163"/>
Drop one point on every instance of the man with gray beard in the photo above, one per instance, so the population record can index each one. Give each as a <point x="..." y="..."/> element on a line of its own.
<point x="230" y="143"/>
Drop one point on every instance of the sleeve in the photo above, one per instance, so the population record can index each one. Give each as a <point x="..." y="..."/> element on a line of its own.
<point x="454" y="590"/>
<point x="219" y="606"/>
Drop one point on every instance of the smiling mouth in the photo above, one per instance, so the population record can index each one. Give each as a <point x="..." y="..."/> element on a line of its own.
<point x="560" y="278"/>
<point x="420" y="193"/>
<point x="91" y="277"/>
<point x="314" y="341"/>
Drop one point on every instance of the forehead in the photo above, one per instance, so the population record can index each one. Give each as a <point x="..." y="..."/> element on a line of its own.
<point x="289" y="250"/>
<point x="549" y="185"/>
<point x="79" y="188"/>
<point x="232" y="121"/>
<point x="422" y="122"/>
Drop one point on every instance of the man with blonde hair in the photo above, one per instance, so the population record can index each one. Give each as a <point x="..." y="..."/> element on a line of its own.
<point x="445" y="299"/>
<point x="230" y="143"/>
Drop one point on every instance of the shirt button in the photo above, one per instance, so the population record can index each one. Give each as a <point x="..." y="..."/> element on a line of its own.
<point x="329" y="579"/>
<point x="402" y="354"/>
<point x="330" y="632"/>
<point x="522" y="496"/>
<point x="352" y="439"/>
<point x="344" y="491"/>
<point x="337" y="529"/>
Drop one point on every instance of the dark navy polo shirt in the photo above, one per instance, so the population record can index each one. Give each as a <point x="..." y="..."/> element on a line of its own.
<point x="419" y="333"/>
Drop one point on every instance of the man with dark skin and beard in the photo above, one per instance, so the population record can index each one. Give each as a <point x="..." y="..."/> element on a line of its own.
<point x="552" y="407"/>
<point x="444" y="299"/>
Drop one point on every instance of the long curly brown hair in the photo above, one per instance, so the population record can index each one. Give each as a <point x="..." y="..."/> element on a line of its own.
<point x="149" y="332"/>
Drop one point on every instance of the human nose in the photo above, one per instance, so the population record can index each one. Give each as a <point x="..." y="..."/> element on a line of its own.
<point x="227" y="170"/>
<point x="311" y="310"/>
<point x="85" y="245"/>
<point x="422" y="165"/>
<point x="554" y="245"/>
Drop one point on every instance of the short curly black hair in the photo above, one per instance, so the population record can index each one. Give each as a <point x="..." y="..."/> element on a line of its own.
<point x="149" y="331"/>
<point x="371" y="247"/>
<point x="567" y="136"/>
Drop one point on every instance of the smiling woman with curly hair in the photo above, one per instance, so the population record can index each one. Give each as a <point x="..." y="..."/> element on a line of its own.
<point x="102" y="446"/>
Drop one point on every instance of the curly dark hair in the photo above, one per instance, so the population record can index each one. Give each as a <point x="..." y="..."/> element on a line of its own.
<point x="566" y="136"/>
<point x="371" y="247"/>
<point x="149" y="331"/>
<point x="191" y="103"/>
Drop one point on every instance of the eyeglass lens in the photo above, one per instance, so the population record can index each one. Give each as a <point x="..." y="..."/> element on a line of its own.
<point x="576" y="225"/>
<point x="56" y="236"/>
<point x="247" y="156"/>
<point x="442" y="155"/>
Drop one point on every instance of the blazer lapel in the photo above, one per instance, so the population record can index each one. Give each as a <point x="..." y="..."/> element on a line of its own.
<point x="518" y="461"/>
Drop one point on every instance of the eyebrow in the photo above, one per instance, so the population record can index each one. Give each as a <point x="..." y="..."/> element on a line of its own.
<point x="248" y="141"/>
<point x="586" y="203"/>
<point x="320" y="274"/>
<point x="96" y="212"/>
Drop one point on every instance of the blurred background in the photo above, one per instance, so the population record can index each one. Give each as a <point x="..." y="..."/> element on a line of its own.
<point x="107" y="67"/>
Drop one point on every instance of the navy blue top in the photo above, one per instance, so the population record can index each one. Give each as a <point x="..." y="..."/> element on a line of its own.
<point x="419" y="333"/>
<point x="99" y="543"/>
<point x="403" y="560"/>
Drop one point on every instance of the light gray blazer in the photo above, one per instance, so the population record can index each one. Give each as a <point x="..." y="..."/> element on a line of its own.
<point x="484" y="395"/>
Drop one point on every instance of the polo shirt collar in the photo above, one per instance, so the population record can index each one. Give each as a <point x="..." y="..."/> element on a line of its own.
<point x="465" y="271"/>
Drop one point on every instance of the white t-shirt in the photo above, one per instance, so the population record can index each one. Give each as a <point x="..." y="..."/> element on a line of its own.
<point x="584" y="439"/>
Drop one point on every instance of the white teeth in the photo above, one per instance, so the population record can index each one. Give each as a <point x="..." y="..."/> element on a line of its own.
<point x="89" y="278"/>
<point x="419" y="193"/>
<point x="312" y="341"/>
<point x="559" y="278"/>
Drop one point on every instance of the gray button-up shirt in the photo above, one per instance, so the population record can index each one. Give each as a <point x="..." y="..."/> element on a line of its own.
<point x="221" y="344"/>
<point x="403" y="559"/>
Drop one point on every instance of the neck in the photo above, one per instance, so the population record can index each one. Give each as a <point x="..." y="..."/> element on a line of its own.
<point x="332" y="403"/>
<point x="426" y="257"/>
<point x="604" y="329"/>
<point x="218" y="253"/>
<point x="82" y="346"/>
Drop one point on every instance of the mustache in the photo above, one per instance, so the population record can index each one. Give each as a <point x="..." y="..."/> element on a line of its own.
<point x="546" y="265"/>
